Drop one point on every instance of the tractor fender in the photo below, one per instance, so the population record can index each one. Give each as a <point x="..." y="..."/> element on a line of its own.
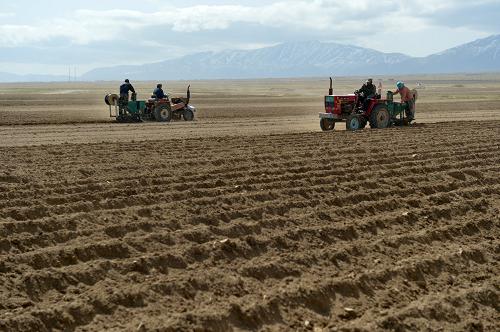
<point x="179" y="106"/>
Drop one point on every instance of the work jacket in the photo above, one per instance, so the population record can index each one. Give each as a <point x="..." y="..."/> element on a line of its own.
<point x="369" y="90"/>
<point x="125" y="88"/>
<point x="158" y="93"/>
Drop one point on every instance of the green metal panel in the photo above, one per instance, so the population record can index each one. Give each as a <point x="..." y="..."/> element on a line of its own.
<point x="395" y="109"/>
<point x="135" y="107"/>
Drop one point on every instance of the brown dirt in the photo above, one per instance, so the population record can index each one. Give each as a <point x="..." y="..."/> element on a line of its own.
<point x="393" y="230"/>
<point x="449" y="98"/>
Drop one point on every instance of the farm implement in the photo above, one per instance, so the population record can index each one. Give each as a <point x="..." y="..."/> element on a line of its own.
<point x="377" y="112"/>
<point x="153" y="109"/>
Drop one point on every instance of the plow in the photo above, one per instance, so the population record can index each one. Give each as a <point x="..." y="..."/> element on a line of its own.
<point x="152" y="109"/>
<point x="378" y="112"/>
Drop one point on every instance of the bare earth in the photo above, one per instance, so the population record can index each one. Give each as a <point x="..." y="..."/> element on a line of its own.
<point x="249" y="218"/>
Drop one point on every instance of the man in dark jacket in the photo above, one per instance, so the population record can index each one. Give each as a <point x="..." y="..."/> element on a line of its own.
<point x="158" y="92"/>
<point x="125" y="88"/>
<point x="368" y="90"/>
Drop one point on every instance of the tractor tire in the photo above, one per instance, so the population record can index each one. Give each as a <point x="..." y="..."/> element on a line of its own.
<point x="354" y="122"/>
<point x="121" y="118"/>
<point x="380" y="117"/>
<point x="327" y="124"/>
<point x="163" y="113"/>
<point x="136" y="118"/>
<point x="188" y="115"/>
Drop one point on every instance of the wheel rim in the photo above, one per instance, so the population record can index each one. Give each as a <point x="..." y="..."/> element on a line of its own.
<point x="354" y="123"/>
<point x="164" y="113"/>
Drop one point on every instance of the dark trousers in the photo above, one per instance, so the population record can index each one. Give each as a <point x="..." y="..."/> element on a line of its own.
<point x="410" y="109"/>
<point x="123" y="103"/>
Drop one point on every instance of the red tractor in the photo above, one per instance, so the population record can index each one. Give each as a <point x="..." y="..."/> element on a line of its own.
<point x="378" y="112"/>
<point x="164" y="110"/>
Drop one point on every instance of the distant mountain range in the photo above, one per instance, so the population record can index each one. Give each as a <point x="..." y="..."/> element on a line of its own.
<point x="305" y="59"/>
<point x="9" y="77"/>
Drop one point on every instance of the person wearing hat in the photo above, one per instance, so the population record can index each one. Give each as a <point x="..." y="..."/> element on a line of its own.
<point x="367" y="91"/>
<point x="406" y="98"/>
<point x="158" y="92"/>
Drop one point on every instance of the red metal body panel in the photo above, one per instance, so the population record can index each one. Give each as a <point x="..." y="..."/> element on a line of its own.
<point x="336" y="106"/>
<point x="339" y="100"/>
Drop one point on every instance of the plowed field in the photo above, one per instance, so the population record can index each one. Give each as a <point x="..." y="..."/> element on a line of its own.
<point x="394" y="229"/>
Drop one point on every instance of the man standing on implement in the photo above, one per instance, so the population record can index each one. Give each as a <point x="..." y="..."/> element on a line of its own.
<point x="406" y="98"/>
<point x="124" y="90"/>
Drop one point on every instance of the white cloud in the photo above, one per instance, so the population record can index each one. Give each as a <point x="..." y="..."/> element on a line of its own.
<point x="416" y="27"/>
<point x="317" y="15"/>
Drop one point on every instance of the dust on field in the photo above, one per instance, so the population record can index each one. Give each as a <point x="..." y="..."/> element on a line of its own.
<point x="394" y="229"/>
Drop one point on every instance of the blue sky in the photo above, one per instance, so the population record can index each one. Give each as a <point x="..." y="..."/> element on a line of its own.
<point x="48" y="36"/>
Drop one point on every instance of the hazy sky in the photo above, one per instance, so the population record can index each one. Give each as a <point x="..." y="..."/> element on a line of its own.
<point x="48" y="36"/>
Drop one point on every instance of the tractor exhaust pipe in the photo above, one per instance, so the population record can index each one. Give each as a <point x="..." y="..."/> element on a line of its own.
<point x="188" y="94"/>
<point x="330" y="91"/>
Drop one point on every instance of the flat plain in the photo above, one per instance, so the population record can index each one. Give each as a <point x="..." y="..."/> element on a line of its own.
<point x="250" y="217"/>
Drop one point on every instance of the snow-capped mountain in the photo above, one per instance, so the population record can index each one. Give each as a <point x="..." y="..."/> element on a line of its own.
<point x="283" y="60"/>
<point x="481" y="55"/>
<point x="311" y="59"/>
<point x="302" y="59"/>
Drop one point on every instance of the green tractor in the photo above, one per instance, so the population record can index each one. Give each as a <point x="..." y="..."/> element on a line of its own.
<point x="153" y="109"/>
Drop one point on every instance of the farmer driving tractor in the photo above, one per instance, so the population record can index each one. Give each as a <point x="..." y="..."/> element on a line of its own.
<point x="406" y="98"/>
<point x="367" y="91"/>
<point x="158" y="92"/>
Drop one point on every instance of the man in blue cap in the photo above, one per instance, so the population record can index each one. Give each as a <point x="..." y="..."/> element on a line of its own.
<point x="406" y="98"/>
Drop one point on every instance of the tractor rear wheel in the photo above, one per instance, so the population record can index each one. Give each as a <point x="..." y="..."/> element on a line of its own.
<point x="163" y="113"/>
<point x="380" y="117"/>
<point x="327" y="124"/>
<point x="354" y="122"/>
<point x="188" y="115"/>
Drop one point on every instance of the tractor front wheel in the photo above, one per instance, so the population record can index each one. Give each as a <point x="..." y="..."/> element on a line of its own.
<point x="163" y="113"/>
<point x="327" y="124"/>
<point x="380" y="117"/>
<point x="188" y="115"/>
<point x="354" y="122"/>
